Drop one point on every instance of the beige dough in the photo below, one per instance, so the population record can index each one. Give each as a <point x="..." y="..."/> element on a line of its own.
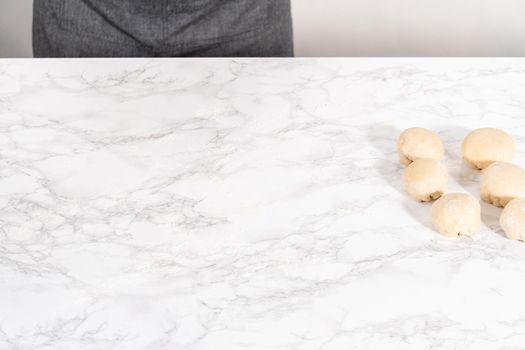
<point x="512" y="219"/>
<point x="501" y="182"/>
<point x="417" y="143"/>
<point x="425" y="179"/>
<point x="456" y="214"/>
<point x="483" y="147"/>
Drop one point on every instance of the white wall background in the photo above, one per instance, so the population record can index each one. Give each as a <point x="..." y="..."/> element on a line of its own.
<point x="15" y="28"/>
<point x="362" y="27"/>
<point x="410" y="27"/>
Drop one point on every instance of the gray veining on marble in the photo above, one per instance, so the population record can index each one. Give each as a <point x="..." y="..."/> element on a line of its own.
<point x="247" y="204"/>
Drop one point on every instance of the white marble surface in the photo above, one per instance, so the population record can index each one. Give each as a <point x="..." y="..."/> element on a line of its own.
<point x="247" y="204"/>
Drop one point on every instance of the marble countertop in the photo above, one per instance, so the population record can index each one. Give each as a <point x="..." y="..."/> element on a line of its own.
<point x="247" y="204"/>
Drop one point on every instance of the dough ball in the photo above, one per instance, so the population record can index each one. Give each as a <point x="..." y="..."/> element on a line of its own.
<point x="512" y="219"/>
<point x="482" y="147"/>
<point x="425" y="179"/>
<point x="456" y="214"/>
<point x="501" y="182"/>
<point x="417" y="143"/>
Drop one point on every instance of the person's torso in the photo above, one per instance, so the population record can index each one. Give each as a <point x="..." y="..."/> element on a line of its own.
<point x="184" y="22"/>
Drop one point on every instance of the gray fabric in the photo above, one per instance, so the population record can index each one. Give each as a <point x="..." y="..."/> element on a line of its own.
<point x="150" y="28"/>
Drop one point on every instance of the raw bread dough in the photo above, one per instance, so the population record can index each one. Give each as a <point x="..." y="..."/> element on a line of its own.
<point x="485" y="146"/>
<point x="501" y="182"/>
<point x="512" y="219"/>
<point x="456" y="214"/>
<point x="425" y="179"/>
<point x="417" y="143"/>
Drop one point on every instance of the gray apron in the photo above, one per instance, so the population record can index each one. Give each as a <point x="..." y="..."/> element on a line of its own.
<point x="151" y="28"/>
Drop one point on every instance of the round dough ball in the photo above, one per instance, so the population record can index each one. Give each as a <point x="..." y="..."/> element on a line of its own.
<point x="482" y="147"/>
<point x="456" y="214"/>
<point x="425" y="179"/>
<point x="418" y="143"/>
<point x="502" y="182"/>
<point x="512" y="219"/>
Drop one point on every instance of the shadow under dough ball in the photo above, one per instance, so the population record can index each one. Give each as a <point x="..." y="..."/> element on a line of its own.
<point x="502" y="182"/>
<point x="456" y="214"/>
<point x="425" y="179"/>
<point x="419" y="143"/>
<point x="482" y="147"/>
<point x="512" y="219"/>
